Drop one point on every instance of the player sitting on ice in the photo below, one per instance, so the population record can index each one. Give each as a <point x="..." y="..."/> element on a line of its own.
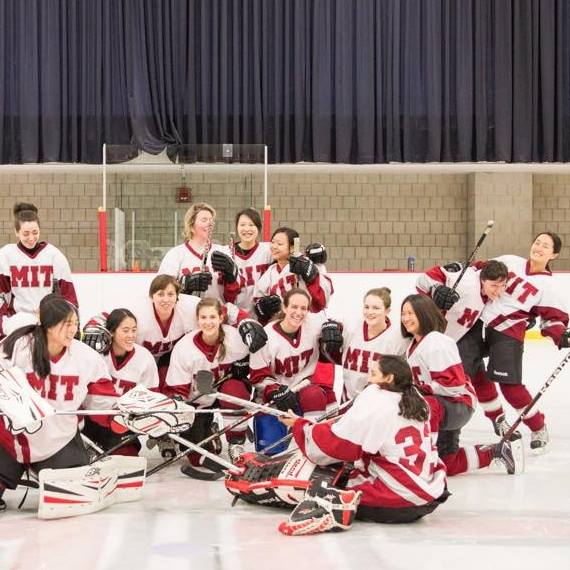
<point x="397" y="475"/>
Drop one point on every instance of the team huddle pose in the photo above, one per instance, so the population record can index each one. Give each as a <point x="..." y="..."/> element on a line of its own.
<point x="239" y="332"/>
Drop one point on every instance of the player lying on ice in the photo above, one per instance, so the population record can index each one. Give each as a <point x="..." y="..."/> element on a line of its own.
<point x="397" y="475"/>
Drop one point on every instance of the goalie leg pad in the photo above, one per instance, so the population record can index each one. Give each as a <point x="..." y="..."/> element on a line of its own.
<point x="84" y="490"/>
<point x="323" y="509"/>
<point x="279" y="481"/>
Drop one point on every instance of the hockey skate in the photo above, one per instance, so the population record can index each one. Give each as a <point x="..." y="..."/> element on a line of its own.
<point x="202" y="468"/>
<point x="511" y="455"/>
<point x="323" y="509"/>
<point x="502" y="426"/>
<point x="539" y="439"/>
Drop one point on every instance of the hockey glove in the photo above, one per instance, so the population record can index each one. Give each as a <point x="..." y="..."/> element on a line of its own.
<point x="444" y="297"/>
<point x="96" y="335"/>
<point x="196" y="282"/>
<point x="565" y="339"/>
<point x="266" y="307"/>
<point x="303" y="267"/>
<point x="225" y="265"/>
<point x="316" y="252"/>
<point x="240" y="368"/>
<point x="531" y="323"/>
<point x="252" y="334"/>
<point x="331" y="337"/>
<point x="283" y="399"/>
<point x="453" y="267"/>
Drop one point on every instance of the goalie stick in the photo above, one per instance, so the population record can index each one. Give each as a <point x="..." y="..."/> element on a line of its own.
<point x="294" y="388"/>
<point x="531" y="404"/>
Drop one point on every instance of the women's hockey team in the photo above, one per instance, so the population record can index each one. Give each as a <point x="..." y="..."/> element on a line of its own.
<point x="232" y="348"/>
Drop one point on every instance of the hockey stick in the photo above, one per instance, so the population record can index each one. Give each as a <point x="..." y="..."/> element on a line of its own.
<point x="531" y="404"/>
<point x="470" y="259"/>
<point x="294" y="388"/>
<point x="326" y="416"/>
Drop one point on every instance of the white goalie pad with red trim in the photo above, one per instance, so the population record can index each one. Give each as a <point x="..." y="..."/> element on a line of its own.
<point x="22" y="407"/>
<point x="279" y="480"/>
<point x="84" y="490"/>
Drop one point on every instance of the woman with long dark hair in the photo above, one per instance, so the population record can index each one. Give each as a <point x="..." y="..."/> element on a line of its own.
<point x="66" y="373"/>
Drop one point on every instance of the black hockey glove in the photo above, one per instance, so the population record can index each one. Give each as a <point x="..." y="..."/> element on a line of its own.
<point x="331" y="337"/>
<point x="453" y="267"/>
<point x="283" y="399"/>
<point x="240" y="368"/>
<point x="444" y="297"/>
<point x="196" y="282"/>
<point x="225" y="265"/>
<point x="252" y="334"/>
<point x="266" y="307"/>
<point x="565" y="339"/>
<point x="303" y="267"/>
<point x="316" y="252"/>
<point x="97" y="336"/>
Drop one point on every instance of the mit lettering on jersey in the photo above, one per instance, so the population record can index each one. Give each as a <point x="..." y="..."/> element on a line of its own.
<point x="31" y="275"/>
<point x="54" y="386"/>
<point x="358" y="360"/>
<point x="250" y="274"/>
<point x="292" y="365"/>
<point x="159" y="348"/>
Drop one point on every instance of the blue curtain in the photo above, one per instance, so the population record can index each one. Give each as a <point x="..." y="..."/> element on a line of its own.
<point x="361" y="81"/>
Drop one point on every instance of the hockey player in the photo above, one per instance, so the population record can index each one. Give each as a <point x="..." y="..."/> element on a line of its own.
<point x="438" y="372"/>
<point x="202" y="267"/>
<point x="397" y="476"/>
<point x="287" y="272"/>
<point x="291" y="354"/>
<point x="218" y="348"/>
<point x="529" y="294"/>
<point x="129" y="364"/>
<point x="251" y="256"/>
<point x="31" y="269"/>
<point x="68" y="375"/>
<point x="367" y="339"/>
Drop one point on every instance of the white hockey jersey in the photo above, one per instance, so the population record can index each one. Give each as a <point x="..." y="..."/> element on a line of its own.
<point x="527" y="294"/>
<point x="285" y="360"/>
<point x="184" y="259"/>
<point x="464" y="314"/>
<point x="395" y="462"/>
<point x="252" y="265"/>
<point x="360" y="351"/>
<point x="191" y="355"/>
<point x="437" y="369"/>
<point x="137" y="367"/>
<point x="159" y="338"/>
<point x="78" y="379"/>
<point x="26" y="278"/>
<point x="277" y="281"/>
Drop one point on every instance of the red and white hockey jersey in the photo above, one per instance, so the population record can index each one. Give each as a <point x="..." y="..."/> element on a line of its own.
<point x="277" y="281"/>
<point x="395" y="463"/>
<point x="437" y="369"/>
<point x="526" y="294"/>
<point x="184" y="259"/>
<point x="159" y="338"/>
<point x="360" y="351"/>
<point x="192" y="354"/>
<point x="78" y="379"/>
<point x="29" y="277"/>
<point x="464" y="314"/>
<point x="252" y="265"/>
<point x="286" y="360"/>
<point x="137" y="367"/>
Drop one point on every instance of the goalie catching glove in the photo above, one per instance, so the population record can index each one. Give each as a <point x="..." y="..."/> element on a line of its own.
<point x="303" y="267"/>
<point x="195" y="282"/>
<point x="252" y="334"/>
<point x="225" y="265"/>
<point x="96" y="335"/>
<point x="444" y="297"/>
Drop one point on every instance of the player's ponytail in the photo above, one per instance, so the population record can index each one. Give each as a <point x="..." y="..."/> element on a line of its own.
<point x="412" y="405"/>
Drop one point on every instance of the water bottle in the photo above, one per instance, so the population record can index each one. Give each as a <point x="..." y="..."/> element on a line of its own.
<point x="411" y="263"/>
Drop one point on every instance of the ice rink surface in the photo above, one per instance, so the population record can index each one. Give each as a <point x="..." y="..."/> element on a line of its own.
<point x="492" y="520"/>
